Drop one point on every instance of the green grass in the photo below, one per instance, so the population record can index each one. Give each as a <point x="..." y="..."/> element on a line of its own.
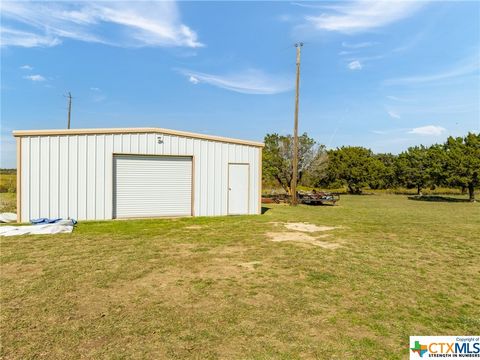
<point x="218" y="288"/>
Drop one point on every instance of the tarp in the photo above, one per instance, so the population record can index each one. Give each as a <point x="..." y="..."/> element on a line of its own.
<point x="8" y="217"/>
<point x="50" y="221"/>
<point x="62" y="226"/>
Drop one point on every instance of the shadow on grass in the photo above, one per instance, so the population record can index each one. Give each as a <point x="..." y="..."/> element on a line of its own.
<point x="264" y="209"/>
<point x="436" y="198"/>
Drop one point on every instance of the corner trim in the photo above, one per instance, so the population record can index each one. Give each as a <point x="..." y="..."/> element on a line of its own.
<point x="19" y="180"/>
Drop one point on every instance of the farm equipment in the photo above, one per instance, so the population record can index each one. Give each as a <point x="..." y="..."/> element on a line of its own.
<point x="304" y="197"/>
<point x="317" y="197"/>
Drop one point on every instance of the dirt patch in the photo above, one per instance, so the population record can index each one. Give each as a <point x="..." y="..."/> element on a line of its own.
<point x="306" y="227"/>
<point x="302" y="238"/>
<point x="252" y="265"/>
<point x="194" y="227"/>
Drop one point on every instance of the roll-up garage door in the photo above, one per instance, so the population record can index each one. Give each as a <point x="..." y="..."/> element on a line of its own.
<point x="152" y="186"/>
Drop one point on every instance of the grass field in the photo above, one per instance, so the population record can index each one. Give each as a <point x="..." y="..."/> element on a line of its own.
<point x="220" y="288"/>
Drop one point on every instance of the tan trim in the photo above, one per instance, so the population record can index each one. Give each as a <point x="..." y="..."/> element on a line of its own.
<point x="114" y="213"/>
<point x="228" y="187"/>
<point x="18" y="133"/>
<point x="19" y="180"/>
<point x="260" y="181"/>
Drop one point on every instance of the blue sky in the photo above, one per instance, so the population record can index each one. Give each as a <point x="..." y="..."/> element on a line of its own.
<point x="385" y="75"/>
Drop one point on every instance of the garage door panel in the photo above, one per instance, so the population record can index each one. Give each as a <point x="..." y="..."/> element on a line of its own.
<point x="152" y="186"/>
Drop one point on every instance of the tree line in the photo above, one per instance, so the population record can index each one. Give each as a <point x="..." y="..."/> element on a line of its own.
<point x="455" y="163"/>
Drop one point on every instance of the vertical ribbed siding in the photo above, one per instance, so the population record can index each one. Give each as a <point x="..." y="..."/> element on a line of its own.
<point x="72" y="175"/>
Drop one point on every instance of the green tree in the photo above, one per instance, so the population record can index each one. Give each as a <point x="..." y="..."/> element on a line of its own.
<point x="412" y="168"/>
<point x="278" y="156"/>
<point x="383" y="175"/>
<point x="462" y="162"/>
<point x="354" y="166"/>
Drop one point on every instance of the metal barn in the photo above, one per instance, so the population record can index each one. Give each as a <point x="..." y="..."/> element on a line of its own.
<point x="96" y="174"/>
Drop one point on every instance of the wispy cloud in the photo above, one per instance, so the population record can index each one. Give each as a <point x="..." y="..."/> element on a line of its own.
<point x="359" y="16"/>
<point x="359" y="45"/>
<point x="155" y="23"/>
<point x="13" y="37"/>
<point x="355" y="65"/>
<point x="466" y="67"/>
<point x="393" y="114"/>
<point x="193" y="80"/>
<point x="34" y="77"/>
<point x="26" y="67"/>
<point x="247" y="82"/>
<point x="429" y="130"/>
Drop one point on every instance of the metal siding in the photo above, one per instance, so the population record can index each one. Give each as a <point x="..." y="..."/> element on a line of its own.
<point x="63" y="176"/>
<point x="26" y="180"/>
<point x="100" y="177"/>
<point x="54" y="176"/>
<point x="108" y="176"/>
<point x="71" y="175"/>
<point x="35" y="178"/>
<point x="44" y="168"/>
<point x="197" y="177"/>
<point x="204" y="176"/>
<point x="91" y="177"/>
<point x="152" y="185"/>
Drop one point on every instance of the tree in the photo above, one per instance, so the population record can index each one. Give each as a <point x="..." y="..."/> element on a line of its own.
<point x="412" y="168"/>
<point x="462" y="162"/>
<point x="354" y="166"/>
<point x="278" y="156"/>
<point x="383" y="176"/>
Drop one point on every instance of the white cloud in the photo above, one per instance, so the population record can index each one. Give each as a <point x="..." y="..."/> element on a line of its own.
<point x="96" y="89"/>
<point x="34" y="77"/>
<point x="12" y="37"/>
<point x="155" y="23"/>
<point x="355" y="65"/>
<point x="247" y="82"/>
<point x="361" y="15"/>
<point x="26" y="67"/>
<point x="193" y="80"/>
<point x="465" y="67"/>
<point x="429" y="130"/>
<point x="358" y="45"/>
<point x="393" y="114"/>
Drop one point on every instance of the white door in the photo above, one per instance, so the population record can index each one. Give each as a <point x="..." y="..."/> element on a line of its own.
<point x="238" y="189"/>
<point x="146" y="185"/>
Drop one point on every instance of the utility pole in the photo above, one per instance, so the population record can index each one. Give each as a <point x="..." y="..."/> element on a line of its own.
<point x="293" y="187"/>
<point x="69" y="108"/>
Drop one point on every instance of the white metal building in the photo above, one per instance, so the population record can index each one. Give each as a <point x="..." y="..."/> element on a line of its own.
<point x="93" y="174"/>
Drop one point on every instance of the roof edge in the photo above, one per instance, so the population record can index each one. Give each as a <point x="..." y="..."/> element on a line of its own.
<point x="20" y="133"/>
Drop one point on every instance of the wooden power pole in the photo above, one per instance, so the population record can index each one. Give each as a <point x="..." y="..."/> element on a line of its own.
<point x="69" y="108"/>
<point x="293" y="187"/>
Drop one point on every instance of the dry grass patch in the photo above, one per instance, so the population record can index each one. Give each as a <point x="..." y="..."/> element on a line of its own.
<point x="301" y="238"/>
<point x="306" y="227"/>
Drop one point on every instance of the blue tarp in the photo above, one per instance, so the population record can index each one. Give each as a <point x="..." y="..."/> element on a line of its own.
<point x="42" y="221"/>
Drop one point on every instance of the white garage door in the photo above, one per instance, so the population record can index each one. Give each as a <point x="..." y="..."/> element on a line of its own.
<point x="152" y="186"/>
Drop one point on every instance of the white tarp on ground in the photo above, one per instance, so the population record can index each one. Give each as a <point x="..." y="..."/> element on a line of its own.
<point x="63" y="226"/>
<point x="8" y="217"/>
